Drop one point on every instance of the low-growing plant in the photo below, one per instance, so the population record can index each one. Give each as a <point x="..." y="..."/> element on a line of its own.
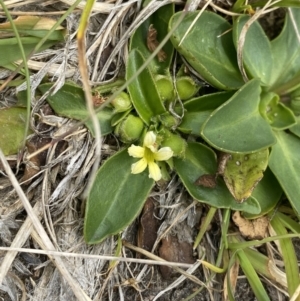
<point x="247" y="119"/>
<point x="234" y="148"/>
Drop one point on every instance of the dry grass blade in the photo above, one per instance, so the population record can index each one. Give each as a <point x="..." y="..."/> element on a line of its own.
<point x="102" y="257"/>
<point x="184" y="273"/>
<point x="83" y="67"/>
<point x="41" y="231"/>
<point x="18" y="242"/>
<point x="100" y="7"/>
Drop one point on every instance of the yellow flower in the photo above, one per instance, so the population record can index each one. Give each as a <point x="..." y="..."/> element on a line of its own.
<point x="149" y="153"/>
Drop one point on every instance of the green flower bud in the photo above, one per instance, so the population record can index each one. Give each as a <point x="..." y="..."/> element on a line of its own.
<point x="165" y="87"/>
<point x="176" y="143"/>
<point x="130" y="129"/>
<point x="168" y="120"/>
<point x="186" y="87"/>
<point x="121" y="103"/>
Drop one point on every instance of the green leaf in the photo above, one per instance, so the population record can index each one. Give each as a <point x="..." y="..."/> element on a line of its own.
<point x="115" y="199"/>
<point x="142" y="89"/>
<point x="12" y="125"/>
<point x="257" y="54"/>
<point x="284" y="117"/>
<point x="160" y="20"/>
<point x="118" y="117"/>
<point x="286" y="54"/>
<point x="200" y="160"/>
<point x="252" y="277"/>
<point x="276" y="113"/>
<point x="198" y="110"/>
<point x="208" y="48"/>
<point x="285" y="164"/>
<point x="288" y="254"/>
<point x="267" y="193"/>
<point x="243" y="172"/>
<point x="239" y="6"/>
<point x="10" y="52"/>
<point x="282" y="3"/>
<point x="31" y="29"/>
<point x="296" y="128"/>
<point x="288" y="222"/>
<point x="237" y="126"/>
<point x="69" y="102"/>
<point x="32" y="26"/>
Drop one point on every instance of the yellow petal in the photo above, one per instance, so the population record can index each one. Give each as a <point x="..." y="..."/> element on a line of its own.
<point x="165" y="153"/>
<point x="136" y="151"/>
<point x="154" y="171"/>
<point x="139" y="166"/>
<point x="149" y="139"/>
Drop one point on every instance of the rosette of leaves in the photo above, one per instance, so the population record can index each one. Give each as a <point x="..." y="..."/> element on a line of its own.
<point x="117" y="195"/>
<point x="257" y="109"/>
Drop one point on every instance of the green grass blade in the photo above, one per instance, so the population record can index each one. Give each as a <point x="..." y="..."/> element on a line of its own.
<point x="288" y="255"/>
<point x="252" y="277"/>
<point x="253" y="243"/>
<point x="289" y="223"/>
<point x="208" y="219"/>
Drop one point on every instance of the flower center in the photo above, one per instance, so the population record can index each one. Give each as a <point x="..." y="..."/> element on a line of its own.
<point x="148" y="155"/>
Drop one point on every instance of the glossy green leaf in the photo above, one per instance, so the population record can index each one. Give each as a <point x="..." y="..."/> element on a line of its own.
<point x="257" y="54"/>
<point x="69" y="102"/>
<point x="142" y="89"/>
<point x="200" y="160"/>
<point x="237" y="126"/>
<point x="208" y="48"/>
<point x="159" y="20"/>
<point x="285" y="164"/>
<point x="116" y="197"/>
<point x="198" y="110"/>
<point x="267" y="193"/>
<point x="288" y="254"/>
<point x="12" y="125"/>
<point x="243" y="172"/>
<point x="286" y="54"/>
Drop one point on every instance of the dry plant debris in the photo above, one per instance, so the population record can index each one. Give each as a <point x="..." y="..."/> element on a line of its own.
<point x="252" y="229"/>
